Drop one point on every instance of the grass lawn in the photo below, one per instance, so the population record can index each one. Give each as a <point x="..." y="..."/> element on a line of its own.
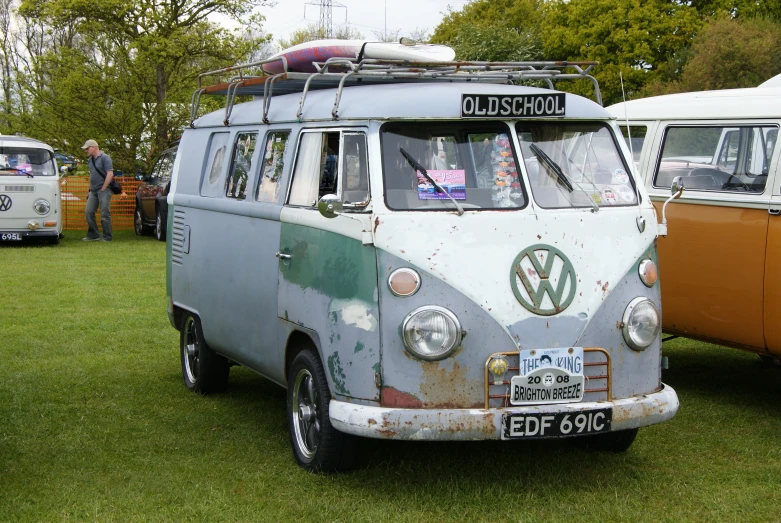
<point x="95" y="424"/>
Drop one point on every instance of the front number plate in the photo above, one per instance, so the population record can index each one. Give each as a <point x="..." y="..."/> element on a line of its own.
<point x="562" y="424"/>
<point x="10" y="236"/>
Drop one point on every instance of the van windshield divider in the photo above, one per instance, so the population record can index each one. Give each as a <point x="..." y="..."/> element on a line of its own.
<point x="254" y="78"/>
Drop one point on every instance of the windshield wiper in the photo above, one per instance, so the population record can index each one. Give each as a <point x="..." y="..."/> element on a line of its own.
<point x="553" y="166"/>
<point x="29" y="174"/>
<point x="415" y="164"/>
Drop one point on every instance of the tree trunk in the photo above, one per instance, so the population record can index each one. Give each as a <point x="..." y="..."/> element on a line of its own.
<point x="161" y="133"/>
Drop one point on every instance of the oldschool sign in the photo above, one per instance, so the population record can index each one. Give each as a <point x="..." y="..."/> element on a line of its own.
<point x="512" y="106"/>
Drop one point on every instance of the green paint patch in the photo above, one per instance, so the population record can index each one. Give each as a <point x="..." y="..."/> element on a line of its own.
<point x="358" y="347"/>
<point x="337" y="373"/>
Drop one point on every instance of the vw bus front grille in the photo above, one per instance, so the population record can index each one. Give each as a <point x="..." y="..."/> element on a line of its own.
<point x="20" y="188"/>
<point x="177" y="237"/>
<point x="596" y="370"/>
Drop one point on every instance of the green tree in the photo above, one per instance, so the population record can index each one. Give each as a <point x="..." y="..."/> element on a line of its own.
<point x="493" y="30"/>
<point x="728" y="53"/>
<point x="134" y="62"/>
<point x="638" y="39"/>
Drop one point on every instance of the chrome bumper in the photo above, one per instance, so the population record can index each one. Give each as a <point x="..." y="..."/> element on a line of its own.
<point x="476" y="424"/>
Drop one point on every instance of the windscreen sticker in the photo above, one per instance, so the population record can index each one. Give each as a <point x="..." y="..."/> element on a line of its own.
<point x="626" y="193"/>
<point x="454" y="182"/>
<point x="608" y="194"/>
<point x="597" y="198"/>
<point x="517" y="106"/>
<point x="621" y="176"/>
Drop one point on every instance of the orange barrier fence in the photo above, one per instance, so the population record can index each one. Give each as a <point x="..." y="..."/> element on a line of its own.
<point x="74" y="199"/>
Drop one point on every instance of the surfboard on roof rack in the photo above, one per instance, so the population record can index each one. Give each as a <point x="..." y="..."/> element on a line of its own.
<point x="300" y="57"/>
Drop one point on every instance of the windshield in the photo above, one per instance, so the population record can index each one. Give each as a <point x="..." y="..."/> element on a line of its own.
<point x="575" y="165"/>
<point x="23" y="161"/>
<point x="472" y="163"/>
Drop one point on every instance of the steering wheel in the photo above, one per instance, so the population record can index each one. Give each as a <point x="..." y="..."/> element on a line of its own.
<point x="728" y="185"/>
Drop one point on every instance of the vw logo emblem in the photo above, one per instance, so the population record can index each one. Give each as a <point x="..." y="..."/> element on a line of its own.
<point x="534" y="273"/>
<point x="5" y="202"/>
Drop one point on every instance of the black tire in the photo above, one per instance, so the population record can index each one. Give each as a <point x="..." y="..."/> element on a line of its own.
<point x="138" y="223"/>
<point x="203" y="370"/>
<point x="317" y="445"/>
<point x="160" y="226"/>
<point x="618" y="441"/>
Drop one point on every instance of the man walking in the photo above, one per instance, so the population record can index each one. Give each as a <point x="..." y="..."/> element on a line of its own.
<point x="101" y="171"/>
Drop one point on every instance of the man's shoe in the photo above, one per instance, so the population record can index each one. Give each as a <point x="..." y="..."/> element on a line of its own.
<point x="105" y="240"/>
<point x="88" y="239"/>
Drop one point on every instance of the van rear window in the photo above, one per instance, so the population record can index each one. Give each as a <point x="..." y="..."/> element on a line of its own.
<point x="474" y="162"/>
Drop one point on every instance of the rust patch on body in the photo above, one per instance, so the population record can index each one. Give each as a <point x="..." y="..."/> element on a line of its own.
<point x="391" y="397"/>
<point x="376" y="224"/>
<point x="441" y="387"/>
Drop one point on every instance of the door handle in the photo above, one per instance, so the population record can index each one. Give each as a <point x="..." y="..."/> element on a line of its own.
<point x="283" y="256"/>
<point x="774" y="212"/>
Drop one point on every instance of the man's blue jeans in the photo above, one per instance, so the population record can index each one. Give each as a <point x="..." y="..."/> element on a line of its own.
<point x="102" y="198"/>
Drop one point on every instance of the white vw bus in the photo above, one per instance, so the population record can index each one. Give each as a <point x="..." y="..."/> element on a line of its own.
<point x="418" y="252"/>
<point x="30" y="199"/>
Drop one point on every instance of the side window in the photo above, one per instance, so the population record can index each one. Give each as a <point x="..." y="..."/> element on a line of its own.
<point x="271" y="169"/>
<point x="635" y="137"/>
<point x="216" y="159"/>
<point x="317" y="168"/>
<point x="717" y="158"/>
<point x="162" y="167"/>
<point x="165" y="175"/>
<point x="238" y="178"/>
<point x="355" y="182"/>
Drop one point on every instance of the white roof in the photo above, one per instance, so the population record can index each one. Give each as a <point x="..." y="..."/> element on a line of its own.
<point x="772" y="82"/>
<point x="727" y="103"/>
<point x="22" y="141"/>
<point x="404" y="100"/>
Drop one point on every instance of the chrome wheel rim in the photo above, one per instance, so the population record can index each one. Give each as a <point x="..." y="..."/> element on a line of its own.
<point x="190" y="350"/>
<point x="137" y="222"/>
<point x="306" y="418"/>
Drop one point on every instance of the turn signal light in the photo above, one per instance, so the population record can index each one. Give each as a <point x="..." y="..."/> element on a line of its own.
<point x="649" y="274"/>
<point x="404" y="282"/>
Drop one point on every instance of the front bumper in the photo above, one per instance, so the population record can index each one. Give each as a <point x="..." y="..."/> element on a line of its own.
<point x="477" y="424"/>
<point x="27" y="233"/>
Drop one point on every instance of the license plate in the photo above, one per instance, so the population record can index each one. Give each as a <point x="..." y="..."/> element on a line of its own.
<point x="548" y="376"/>
<point x="559" y="425"/>
<point x="10" y="236"/>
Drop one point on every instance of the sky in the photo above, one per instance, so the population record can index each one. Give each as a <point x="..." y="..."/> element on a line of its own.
<point x="365" y="16"/>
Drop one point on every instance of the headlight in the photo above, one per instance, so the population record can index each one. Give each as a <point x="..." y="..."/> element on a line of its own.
<point x="431" y="333"/>
<point x="648" y="272"/>
<point x="42" y="206"/>
<point x="640" y="324"/>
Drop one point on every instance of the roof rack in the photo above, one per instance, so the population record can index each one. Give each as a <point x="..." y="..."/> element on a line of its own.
<point x="341" y="72"/>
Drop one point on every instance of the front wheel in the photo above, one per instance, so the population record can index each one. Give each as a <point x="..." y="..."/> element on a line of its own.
<point x="317" y="446"/>
<point x="618" y="441"/>
<point x="203" y="370"/>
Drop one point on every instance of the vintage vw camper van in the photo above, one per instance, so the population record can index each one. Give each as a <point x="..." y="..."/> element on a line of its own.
<point x="720" y="282"/>
<point x="30" y="199"/>
<point x="419" y="252"/>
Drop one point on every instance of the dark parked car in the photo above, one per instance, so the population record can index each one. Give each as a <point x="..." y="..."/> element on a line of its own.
<point x="151" y="204"/>
<point x="63" y="160"/>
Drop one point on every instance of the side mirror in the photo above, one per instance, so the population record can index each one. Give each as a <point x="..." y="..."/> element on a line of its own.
<point x="677" y="187"/>
<point x="64" y="169"/>
<point x="329" y="206"/>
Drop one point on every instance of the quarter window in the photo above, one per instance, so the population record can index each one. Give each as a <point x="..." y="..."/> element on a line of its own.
<point x="272" y="167"/>
<point x="735" y="159"/>
<point x="243" y="154"/>
<point x="217" y="158"/>
<point x="635" y="138"/>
